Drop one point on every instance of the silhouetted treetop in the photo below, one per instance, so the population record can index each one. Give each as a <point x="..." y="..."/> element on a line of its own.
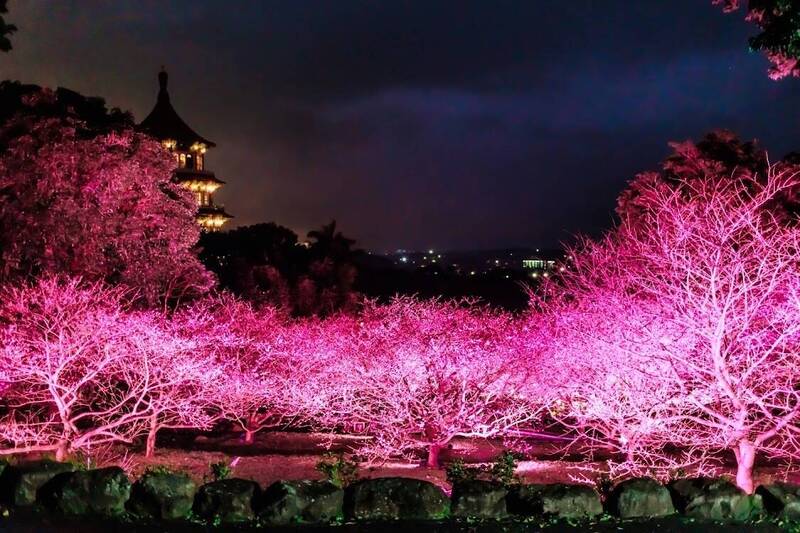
<point x="27" y="102"/>
<point x="720" y="155"/>
<point x="779" y="39"/>
<point x="6" y="29"/>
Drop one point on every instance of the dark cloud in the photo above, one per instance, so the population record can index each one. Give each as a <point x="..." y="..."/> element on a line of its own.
<point x="420" y="123"/>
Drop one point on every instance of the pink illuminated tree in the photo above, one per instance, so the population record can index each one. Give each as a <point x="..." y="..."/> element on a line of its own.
<point x="74" y="380"/>
<point x="779" y="39"/>
<point x="100" y="206"/>
<point x="184" y="375"/>
<point x="83" y="369"/>
<point x="415" y="374"/>
<point x="236" y="334"/>
<point x="701" y="355"/>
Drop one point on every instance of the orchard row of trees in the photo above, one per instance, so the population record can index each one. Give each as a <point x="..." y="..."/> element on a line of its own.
<point x="81" y="369"/>
<point x="670" y="342"/>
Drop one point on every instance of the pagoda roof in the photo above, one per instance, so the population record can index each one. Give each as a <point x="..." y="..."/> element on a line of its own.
<point x="164" y="123"/>
<point x="189" y="174"/>
<point x="214" y="210"/>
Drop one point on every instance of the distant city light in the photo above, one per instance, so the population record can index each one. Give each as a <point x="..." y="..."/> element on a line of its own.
<point x="404" y="259"/>
<point x="430" y="251"/>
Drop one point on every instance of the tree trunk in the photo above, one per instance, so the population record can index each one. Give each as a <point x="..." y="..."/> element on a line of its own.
<point x="433" y="455"/>
<point x="250" y="429"/>
<point x="61" y="451"/>
<point x="745" y="458"/>
<point x="150" y="447"/>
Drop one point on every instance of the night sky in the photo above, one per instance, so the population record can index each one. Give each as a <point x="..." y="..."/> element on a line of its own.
<point x="445" y="124"/>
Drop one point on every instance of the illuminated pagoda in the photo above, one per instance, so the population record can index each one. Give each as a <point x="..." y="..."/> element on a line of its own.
<point x="189" y="149"/>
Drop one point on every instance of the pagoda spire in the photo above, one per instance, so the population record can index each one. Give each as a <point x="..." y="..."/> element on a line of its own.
<point x="189" y="150"/>
<point x="163" y="78"/>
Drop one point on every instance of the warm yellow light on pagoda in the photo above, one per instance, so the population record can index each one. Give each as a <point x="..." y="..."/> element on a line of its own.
<point x="212" y="222"/>
<point x="201" y="186"/>
<point x="198" y="147"/>
<point x="169" y="144"/>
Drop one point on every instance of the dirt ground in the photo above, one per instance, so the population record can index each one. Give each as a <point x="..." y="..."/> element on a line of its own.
<point x="291" y="456"/>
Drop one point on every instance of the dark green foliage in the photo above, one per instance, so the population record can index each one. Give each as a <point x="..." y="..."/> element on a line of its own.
<point x="503" y="468"/>
<point x="338" y="469"/>
<point x="779" y="39"/>
<point x="458" y="470"/>
<point x="265" y="263"/>
<point x="501" y="471"/>
<point x="780" y="22"/>
<point x="220" y="470"/>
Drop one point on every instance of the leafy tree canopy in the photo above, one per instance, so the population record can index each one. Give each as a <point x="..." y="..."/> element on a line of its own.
<point x="779" y="39"/>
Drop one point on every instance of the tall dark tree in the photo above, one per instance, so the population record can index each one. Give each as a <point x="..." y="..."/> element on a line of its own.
<point x="257" y="262"/>
<point x="6" y="29"/>
<point x="265" y="263"/>
<point x="327" y="242"/>
<point x="779" y="39"/>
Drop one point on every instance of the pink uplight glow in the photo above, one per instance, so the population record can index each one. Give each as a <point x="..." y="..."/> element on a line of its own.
<point x="666" y="344"/>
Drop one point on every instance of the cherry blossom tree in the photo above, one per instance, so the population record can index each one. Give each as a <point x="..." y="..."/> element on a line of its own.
<point x="236" y="335"/>
<point x="611" y="395"/>
<point x="74" y="380"/>
<point x="103" y="207"/>
<point x="82" y="368"/>
<point x="708" y="362"/>
<point x="415" y="374"/>
<point x="184" y="375"/>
